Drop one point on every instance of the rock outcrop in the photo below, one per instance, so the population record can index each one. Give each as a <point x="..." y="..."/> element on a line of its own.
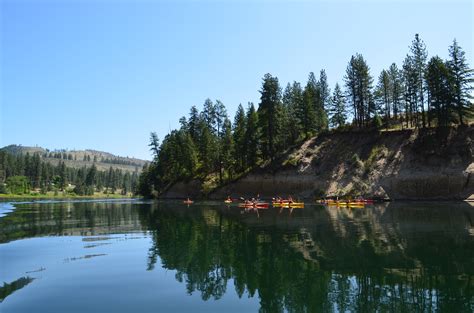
<point x="407" y="164"/>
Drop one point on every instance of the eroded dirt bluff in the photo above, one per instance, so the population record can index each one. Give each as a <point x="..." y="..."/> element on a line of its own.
<point x="407" y="164"/>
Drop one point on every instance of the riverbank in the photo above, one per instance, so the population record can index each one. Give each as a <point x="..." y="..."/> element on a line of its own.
<point x="412" y="164"/>
<point x="62" y="196"/>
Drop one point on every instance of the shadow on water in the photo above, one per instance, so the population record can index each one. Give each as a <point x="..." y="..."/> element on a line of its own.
<point x="9" y="288"/>
<point x="389" y="257"/>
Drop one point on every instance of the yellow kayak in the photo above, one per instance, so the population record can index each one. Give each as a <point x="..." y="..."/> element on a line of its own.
<point x="293" y="205"/>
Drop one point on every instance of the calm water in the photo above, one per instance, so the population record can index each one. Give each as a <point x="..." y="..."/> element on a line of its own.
<point x="127" y="256"/>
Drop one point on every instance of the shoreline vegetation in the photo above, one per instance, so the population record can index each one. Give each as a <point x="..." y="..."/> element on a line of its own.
<point x="34" y="175"/>
<point x="425" y="95"/>
<point x="51" y="195"/>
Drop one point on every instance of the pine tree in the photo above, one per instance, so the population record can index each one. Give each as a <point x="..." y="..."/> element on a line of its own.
<point x="154" y="145"/>
<point x="419" y="56"/>
<point x="193" y="124"/>
<point x="252" y="135"/>
<point x="307" y="111"/>
<point x="323" y="103"/>
<point x="410" y="91"/>
<point x="62" y="172"/>
<point x="221" y="116"/>
<point x="462" y="79"/>
<point x="240" y="144"/>
<point x="227" y="144"/>
<point x="440" y="90"/>
<point x="209" y="115"/>
<point x="359" y="89"/>
<point x="91" y="176"/>
<point x="269" y="116"/>
<point x="382" y="94"/>
<point x="206" y="147"/>
<point x="396" y="89"/>
<point x="338" y="108"/>
<point x="291" y="101"/>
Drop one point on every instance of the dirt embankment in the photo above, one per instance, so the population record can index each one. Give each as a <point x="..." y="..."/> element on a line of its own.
<point x="409" y="164"/>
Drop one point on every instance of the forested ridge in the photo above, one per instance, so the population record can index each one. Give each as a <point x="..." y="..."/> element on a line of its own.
<point x="24" y="173"/>
<point x="79" y="158"/>
<point x="421" y="93"/>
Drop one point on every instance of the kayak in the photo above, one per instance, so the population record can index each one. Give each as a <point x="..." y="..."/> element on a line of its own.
<point x="227" y="201"/>
<point x="354" y="201"/>
<point x="261" y="205"/>
<point x="293" y="205"/>
<point x="188" y="202"/>
<point x="351" y="204"/>
<point x="280" y="201"/>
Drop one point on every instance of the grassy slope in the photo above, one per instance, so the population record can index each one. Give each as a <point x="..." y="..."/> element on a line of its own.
<point x="79" y="158"/>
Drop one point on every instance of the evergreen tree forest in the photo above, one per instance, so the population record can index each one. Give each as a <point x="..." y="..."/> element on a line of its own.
<point x="20" y="174"/>
<point x="421" y="92"/>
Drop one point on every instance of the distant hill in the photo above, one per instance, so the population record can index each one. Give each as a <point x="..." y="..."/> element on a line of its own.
<point x="80" y="158"/>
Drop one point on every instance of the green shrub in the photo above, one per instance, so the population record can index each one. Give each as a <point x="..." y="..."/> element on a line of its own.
<point x="356" y="161"/>
<point x="293" y="161"/>
<point x="18" y="184"/>
<point x="377" y="121"/>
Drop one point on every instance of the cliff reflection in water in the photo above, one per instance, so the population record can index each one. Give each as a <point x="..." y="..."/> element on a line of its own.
<point x="399" y="257"/>
<point x="395" y="257"/>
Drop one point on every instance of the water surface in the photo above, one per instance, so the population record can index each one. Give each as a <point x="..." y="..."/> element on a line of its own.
<point x="124" y="256"/>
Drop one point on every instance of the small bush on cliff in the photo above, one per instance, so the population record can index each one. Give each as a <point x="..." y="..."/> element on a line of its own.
<point x="375" y="154"/>
<point x="356" y="161"/>
<point x="292" y="161"/>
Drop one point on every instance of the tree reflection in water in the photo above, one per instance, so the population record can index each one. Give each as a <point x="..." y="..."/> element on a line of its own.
<point x="391" y="258"/>
<point x="399" y="257"/>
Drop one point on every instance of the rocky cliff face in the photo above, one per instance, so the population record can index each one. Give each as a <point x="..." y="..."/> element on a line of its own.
<point x="407" y="164"/>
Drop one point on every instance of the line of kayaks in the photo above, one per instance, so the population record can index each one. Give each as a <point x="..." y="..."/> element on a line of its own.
<point x="283" y="203"/>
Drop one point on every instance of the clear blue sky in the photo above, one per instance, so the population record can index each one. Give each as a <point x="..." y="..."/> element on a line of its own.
<point x="104" y="74"/>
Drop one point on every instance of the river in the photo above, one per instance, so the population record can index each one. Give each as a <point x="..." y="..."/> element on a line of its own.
<point x="144" y="256"/>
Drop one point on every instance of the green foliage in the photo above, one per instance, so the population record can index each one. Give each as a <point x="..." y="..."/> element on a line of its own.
<point x="377" y="121"/>
<point x="375" y="154"/>
<point x="462" y="79"/>
<point x="43" y="176"/>
<point x="307" y="111"/>
<point x="382" y="95"/>
<point x="239" y="152"/>
<point x="18" y="184"/>
<point x="356" y="161"/>
<point x="358" y="82"/>
<point x="3" y="188"/>
<point x="292" y="101"/>
<point x="337" y="108"/>
<point x="269" y="116"/>
<point x="207" y="146"/>
<point x="440" y="94"/>
<point x="252" y="136"/>
<point x="291" y="161"/>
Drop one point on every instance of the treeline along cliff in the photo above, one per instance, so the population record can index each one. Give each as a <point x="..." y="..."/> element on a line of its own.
<point x="409" y="136"/>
